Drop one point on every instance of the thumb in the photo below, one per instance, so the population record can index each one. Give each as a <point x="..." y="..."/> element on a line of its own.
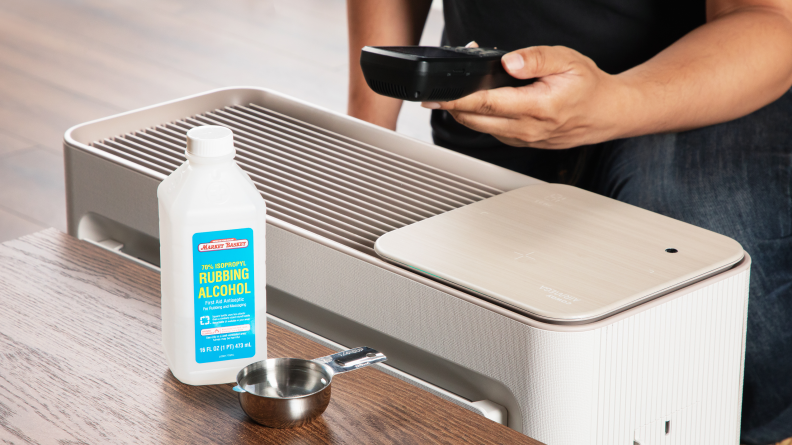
<point x="536" y="61"/>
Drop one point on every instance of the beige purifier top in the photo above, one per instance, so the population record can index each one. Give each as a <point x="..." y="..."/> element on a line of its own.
<point x="559" y="253"/>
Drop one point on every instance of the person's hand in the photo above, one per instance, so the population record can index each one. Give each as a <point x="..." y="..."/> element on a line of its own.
<point x="571" y="103"/>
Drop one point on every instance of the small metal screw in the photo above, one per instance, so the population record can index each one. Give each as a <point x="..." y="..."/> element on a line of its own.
<point x="371" y="354"/>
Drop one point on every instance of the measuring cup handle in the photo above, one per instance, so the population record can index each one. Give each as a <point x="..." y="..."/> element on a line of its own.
<point x="352" y="359"/>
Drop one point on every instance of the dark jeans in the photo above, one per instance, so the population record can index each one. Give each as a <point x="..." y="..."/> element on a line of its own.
<point x="733" y="178"/>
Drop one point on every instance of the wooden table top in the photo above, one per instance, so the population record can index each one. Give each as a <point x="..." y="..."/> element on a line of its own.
<point x="81" y="362"/>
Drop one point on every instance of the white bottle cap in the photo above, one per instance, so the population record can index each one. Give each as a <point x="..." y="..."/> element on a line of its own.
<point x="210" y="141"/>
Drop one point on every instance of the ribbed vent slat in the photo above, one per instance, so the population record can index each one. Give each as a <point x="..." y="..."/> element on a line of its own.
<point x="345" y="183"/>
<point x="131" y="156"/>
<point x="427" y="206"/>
<point x="326" y="183"/>
<point x="443" y="177"/>
<point x="338" y="150"/>
<point x="253" y="158"/>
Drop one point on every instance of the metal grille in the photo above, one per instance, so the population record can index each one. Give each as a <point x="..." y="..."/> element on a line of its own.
<point x="445" y="93"/>
<point x="389" y="89"/>
<point x="321" y="181"/>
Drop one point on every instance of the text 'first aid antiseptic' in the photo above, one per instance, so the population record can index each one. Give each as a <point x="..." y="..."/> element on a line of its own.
<point x="212" y="254"/>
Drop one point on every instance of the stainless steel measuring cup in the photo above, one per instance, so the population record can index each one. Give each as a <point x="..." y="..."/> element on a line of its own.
<point x="289" y="392"/>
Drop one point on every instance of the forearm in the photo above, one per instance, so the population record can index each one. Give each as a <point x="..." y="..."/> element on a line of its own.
<point x="379" y="23"/>
<point x="735" y="64"/>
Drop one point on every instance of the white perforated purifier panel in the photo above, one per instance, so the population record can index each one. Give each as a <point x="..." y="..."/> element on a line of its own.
<point x="679" y="361"/>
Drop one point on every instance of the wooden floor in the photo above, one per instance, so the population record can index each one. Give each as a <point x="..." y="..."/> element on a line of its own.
<point x="65" y="62"/>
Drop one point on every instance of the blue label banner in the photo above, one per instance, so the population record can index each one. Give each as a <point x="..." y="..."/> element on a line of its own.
<point x="225" y="325"/>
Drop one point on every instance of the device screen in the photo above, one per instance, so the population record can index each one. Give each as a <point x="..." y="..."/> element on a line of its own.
<point x="425" y="51"/>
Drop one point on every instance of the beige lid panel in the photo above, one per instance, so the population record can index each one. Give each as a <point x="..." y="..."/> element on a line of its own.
<point x="560" y="253"/>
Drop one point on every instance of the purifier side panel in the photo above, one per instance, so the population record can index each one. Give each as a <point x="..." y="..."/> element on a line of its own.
<point x="742" y="350"/>
<point x="678" y="363"/>
<point x="96" y="185"/>
<point x="549" y="374"/>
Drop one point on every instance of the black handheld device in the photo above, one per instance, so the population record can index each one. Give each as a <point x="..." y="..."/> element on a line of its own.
<point x="429" y="73"/>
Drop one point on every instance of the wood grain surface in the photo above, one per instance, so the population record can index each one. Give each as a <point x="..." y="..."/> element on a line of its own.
<point x="81" y="363"/>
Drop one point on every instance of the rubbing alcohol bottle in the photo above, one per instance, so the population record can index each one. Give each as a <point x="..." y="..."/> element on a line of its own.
<point x="212" y="254"/>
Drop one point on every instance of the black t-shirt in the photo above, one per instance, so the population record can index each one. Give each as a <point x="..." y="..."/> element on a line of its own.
<point x="616" y="34"/>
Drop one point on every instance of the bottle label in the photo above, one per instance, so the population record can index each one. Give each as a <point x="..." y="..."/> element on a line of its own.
<point x="225" y="325"/>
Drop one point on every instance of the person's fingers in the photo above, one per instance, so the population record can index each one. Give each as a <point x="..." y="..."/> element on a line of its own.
<point x="472" y="44"/>
<point x="505" y="102"/>
<point x="538" y="61"/>
<point x="494" y="125"/>
<point x="514" y="132"/>
<point x="482" y="123"/>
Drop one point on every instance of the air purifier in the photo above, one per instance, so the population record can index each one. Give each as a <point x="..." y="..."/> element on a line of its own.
<point x="659" y="363"/>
